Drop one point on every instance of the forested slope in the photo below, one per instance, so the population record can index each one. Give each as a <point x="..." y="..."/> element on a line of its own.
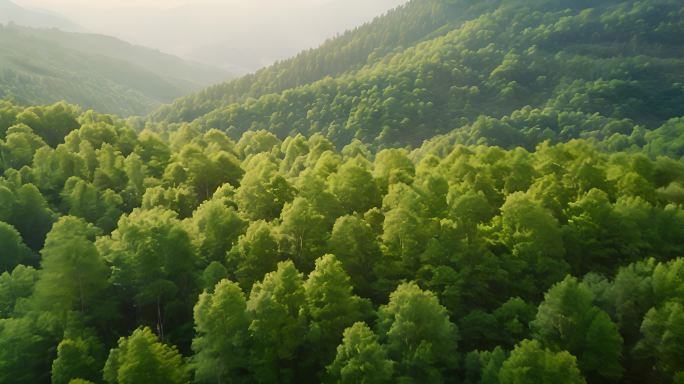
<point x="39" y="66"/>
<point x="575" y="69"/>
<point x="398" y="29"/>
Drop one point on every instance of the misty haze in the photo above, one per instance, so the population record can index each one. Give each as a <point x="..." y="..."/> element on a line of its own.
<point x="237" y="35"/>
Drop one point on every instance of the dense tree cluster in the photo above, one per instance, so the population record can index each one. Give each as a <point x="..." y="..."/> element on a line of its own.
<point x="130" y="256"/>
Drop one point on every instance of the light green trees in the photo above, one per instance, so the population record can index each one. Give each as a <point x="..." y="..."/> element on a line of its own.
<point x="305" y="232"/>
<point x="256" y="253"/>
<point x="76" y="358"/>
<point x="534" y="238"/>
<point x="331" y="307"/>
<point x="418" y="335"/>
<point x="141" y="358"/>
<point x="216" y="228"/>
<point x="530" y="363"/>
<point x="354" y="187"/>
<point x="277" y="324"/>
<point x="263" y="191"/>
<point x="221" y="345"/>
<point x="360" y="359"/>
<point x="73" y="272"/>
<point x="153" y="259"/>
<point x="353" y="243"/>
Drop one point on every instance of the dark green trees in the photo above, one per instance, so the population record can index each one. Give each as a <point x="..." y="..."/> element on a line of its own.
<point x="568" y="320"/>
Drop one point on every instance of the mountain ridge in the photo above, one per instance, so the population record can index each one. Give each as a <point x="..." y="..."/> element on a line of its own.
<point x="42" y="66"/>
<point x="11" y="12"/>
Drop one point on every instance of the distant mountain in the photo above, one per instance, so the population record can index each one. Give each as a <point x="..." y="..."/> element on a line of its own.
<point x="13" y="13"/>
<point x="45" y="65"/>
<point x="239" y="35"/>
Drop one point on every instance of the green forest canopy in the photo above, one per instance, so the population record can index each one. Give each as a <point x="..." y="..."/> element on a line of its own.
<point x="540" y="241"/>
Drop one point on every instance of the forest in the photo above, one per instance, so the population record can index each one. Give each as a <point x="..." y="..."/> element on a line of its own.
<point x="476" y="192"/>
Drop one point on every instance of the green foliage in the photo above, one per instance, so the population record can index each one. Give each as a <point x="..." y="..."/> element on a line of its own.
<point x="141" y="358"/>
<point x="221" y="344"/>
<point x="530" y="363"/>
<point x="22" y="351"/>
<point x="277" y="324"/>
<point x="568" y="320"/>
<point x="269" y="176"/>
<point x="418" y="334"/>
<point x="74" y="360"/>
<point x="331" y="307"/>
<point x="503" y="73"/>
<point x="14" y="251"/>
<point x="360" y="358"/>
<point x="73" y="274"/>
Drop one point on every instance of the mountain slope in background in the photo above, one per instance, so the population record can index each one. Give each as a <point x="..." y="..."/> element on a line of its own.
<point x="13" y="13"/>
<point x="45" y="65"/>
<point x="498" y="72"/>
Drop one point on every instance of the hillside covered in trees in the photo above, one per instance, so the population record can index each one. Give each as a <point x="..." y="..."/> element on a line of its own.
<point x="42" y="66"/>
<point x="476" y="192"/>
<point x="539" y="70"/>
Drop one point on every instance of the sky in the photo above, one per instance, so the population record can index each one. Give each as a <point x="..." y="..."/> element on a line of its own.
<point x="238" y="35"/>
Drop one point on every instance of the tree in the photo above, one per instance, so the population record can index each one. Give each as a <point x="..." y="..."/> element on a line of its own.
<point x="482" y="367"/>
<point x="663" y="336"/>
<point x="75" y="359"/>
<point x="19" y="147"/>
<point x="305" y="231"/>
<point x="263" y="191"/>
<point x="354" y="187"/>
<point x="405" y="234"/>
<point x="14" y="251"/>
<point x="153" y="261"/>
<point x="22" y="352"/>
<point x="15" y="289"/>
<point x="31" y="216"/>
<point x="535" y="241"/>
<point x="353" y="243"/>
<point x="256" y="253"/>
<point x="222" y="335"/>
<point x="217" y="228"/>
<point x="277" y="324"/>
<point x="331" y="308"/>
<point x="141" y="358"/>
<point x="73" y="274"/>
<point x="393" y="166"/>
<point x="208" y="169"/>
<point x="529" y="363"/>
<point x="360" y="358"/>
<point x="418" y="334"/>
<point x="568" y="320"/>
